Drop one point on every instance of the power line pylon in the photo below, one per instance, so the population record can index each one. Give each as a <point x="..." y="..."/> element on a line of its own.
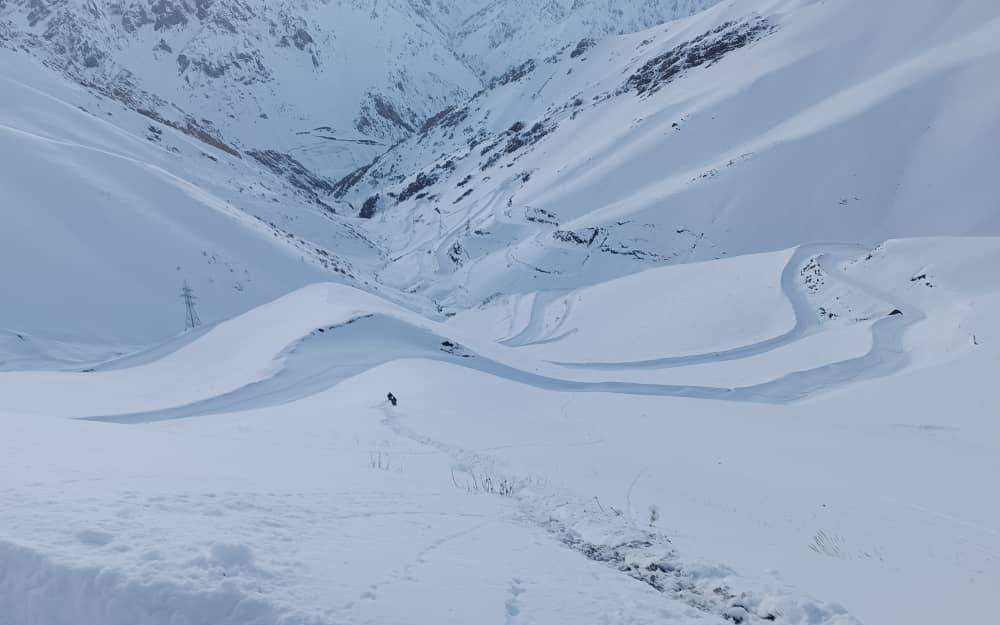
<point x="187" y="294"/>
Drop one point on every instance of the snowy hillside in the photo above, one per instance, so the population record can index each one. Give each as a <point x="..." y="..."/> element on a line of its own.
<point x="106" y="213"/>
<point x="494" y="35"/>
<point x="511" y="312"/>
<point x="314" y="79"/>
<point x="747" y="128"/>
<point x="333" y="84"/>
<point x="508" y="489"/>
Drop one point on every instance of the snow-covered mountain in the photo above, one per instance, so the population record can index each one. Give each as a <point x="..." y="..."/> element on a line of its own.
<point x="502" y="311"/>
<point x="333" y="83"/>
<point x="744" y="129"/>
<point x="492" y="36"/>
<point x="112" y="211"/>
<point x="257" y="105"/>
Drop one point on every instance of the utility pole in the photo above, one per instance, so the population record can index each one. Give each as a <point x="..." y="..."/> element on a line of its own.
<point x="187" y="294"/>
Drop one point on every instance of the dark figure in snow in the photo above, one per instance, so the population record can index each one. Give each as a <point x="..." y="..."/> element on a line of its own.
<point x="391" y="398"/>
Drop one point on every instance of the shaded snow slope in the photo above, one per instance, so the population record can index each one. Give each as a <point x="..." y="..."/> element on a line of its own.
<point x="107" y="213"/>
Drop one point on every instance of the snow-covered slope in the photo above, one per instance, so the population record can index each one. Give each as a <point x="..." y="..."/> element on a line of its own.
<point x="107" y="213"/>
<point x="332" y="83"/>
<point x="491" y="36"/>
<point x="193" y="136"/>
<point x="751" y="127"/>
<point x="508" y="488"/>
<point x="683" y="326"/>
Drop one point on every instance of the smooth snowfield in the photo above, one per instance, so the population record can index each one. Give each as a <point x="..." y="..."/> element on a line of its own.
<point x="323" y="504"/>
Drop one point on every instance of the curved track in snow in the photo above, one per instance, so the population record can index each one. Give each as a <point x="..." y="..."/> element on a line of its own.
<point x="325" y="358"/>
<point x="806" y="322"/>
<point x="531" y="333"/>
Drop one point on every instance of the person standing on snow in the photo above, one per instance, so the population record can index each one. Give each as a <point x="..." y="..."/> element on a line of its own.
<point x="391" y="398"/>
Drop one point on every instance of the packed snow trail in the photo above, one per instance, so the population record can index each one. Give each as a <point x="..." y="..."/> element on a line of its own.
<point x="328" y="357"/>
<point x="640" y="553"/>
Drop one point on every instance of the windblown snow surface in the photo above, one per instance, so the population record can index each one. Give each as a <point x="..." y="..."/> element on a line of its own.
<point x="714" y="339"/>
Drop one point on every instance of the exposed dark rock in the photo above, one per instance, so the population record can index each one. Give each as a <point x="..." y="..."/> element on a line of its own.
<point x="167" y="13"/>
<point x="368" y="208"/>
<point x="448" y="118"/>
<point x="705" y="49"/>
<point x="301" y="39"/>
<point x="584" y="236"/>
<point x="448" y="166"/>
<point x="202" y="7"/>
<point x="491" y="161"/>
<point x="582" y="47"/>
<point x="312" y="185"/>
<point x="201" y="131"/>
<point x="421" y="182"/>
<point x="386" y="109"/>
<point x="249" y="67"/>
<point x="467" y="193"/>
<point x="455" y="349"/>
<point x="345" y="184"/>
<point x="514" y="74"/>
<point x="526" y="137"/>
<point x="456" y="253"/>
<point x="541" y="216"/>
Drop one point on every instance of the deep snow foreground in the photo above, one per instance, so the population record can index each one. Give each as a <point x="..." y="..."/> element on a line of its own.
<point x="487" y="495"/>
